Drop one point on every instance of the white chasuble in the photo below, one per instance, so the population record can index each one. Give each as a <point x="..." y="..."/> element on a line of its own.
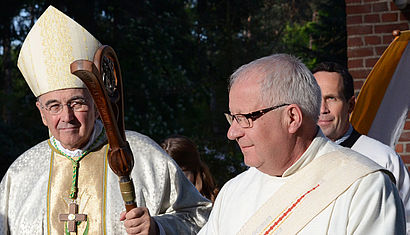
<point x="35" y="189"/>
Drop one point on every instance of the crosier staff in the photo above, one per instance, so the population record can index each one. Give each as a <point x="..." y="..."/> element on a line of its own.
<point x="103" y="79"/>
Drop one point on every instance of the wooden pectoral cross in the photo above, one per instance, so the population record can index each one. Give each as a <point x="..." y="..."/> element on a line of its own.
<point x="72" y="218"/>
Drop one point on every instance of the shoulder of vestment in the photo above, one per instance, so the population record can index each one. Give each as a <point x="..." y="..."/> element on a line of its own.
<point x="34" y="159"/>
<point x="373" y="145"/>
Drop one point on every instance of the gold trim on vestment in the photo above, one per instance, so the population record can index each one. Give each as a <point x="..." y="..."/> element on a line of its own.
<point x="91" y="200"/>
<point x="48" y="189"/>
<point x="104" y="208"/>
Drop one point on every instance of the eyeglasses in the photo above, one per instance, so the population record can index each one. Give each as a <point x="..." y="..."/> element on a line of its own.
<point x="78" y="105"/>
<point x="246" y="120"/>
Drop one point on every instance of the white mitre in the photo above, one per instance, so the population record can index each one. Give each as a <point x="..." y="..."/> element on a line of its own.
<point x="54" y="42"/>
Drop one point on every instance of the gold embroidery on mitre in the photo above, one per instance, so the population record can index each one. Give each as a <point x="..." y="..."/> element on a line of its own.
<point x="53" y="43"/>
<point x="57" y="48"/>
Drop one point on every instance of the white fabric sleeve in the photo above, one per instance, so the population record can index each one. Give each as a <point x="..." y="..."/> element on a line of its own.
<point x="386" y="156"/>
<point x="376" y="207"/>
<point x="212" y="226"/>
<point x="403" y="185"/>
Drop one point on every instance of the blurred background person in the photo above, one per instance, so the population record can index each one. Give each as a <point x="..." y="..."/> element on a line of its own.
<point x="186" y="155"/>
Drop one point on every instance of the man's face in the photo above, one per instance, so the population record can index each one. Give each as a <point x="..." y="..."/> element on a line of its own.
<point x="335" y="110"/>
<point x="71" y="128"/>
<point x="261" y="143"/>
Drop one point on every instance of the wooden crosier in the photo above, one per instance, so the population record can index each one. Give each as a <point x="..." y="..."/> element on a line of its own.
<point x="103" y="79"/>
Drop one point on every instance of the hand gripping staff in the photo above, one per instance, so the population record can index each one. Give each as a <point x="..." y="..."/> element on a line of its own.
<point x="103" y="79"/>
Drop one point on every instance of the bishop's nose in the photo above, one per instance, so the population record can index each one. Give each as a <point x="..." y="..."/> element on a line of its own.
<point x="67" y="114"/>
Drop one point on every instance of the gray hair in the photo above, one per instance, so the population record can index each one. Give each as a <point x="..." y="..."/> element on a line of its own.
<point x="285" y="79"/>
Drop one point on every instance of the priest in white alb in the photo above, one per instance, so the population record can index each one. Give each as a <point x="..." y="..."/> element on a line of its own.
<point x="299" y="182"/>
<point x="338" y="101"/>
<point x="64" y="185"/>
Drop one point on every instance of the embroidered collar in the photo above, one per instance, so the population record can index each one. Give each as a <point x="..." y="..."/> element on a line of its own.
<point x="97" y="131"/>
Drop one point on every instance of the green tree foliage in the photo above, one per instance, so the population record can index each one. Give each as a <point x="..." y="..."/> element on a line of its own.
<point x="322" y="38"/>
<point x="16" y="101"/>
<point x="175" y="59"/>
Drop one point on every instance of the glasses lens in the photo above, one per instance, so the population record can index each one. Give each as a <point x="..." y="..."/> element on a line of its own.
<point x="229" y="118"/>
<point x="242" y="120"/>
<point x="55" y="108"/>
<point x="79" y="106"/>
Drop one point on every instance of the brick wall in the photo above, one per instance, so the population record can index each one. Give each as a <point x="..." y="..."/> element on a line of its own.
<point x="370" y="24"/>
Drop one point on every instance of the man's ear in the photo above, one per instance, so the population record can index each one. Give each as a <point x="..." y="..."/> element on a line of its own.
<point x="41" y="113"/>
<point x="293" y="118"/>
<point x="351" y="103"/>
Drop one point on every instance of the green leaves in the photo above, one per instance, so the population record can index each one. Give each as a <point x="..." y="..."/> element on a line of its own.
<point x="175" y="57"/>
